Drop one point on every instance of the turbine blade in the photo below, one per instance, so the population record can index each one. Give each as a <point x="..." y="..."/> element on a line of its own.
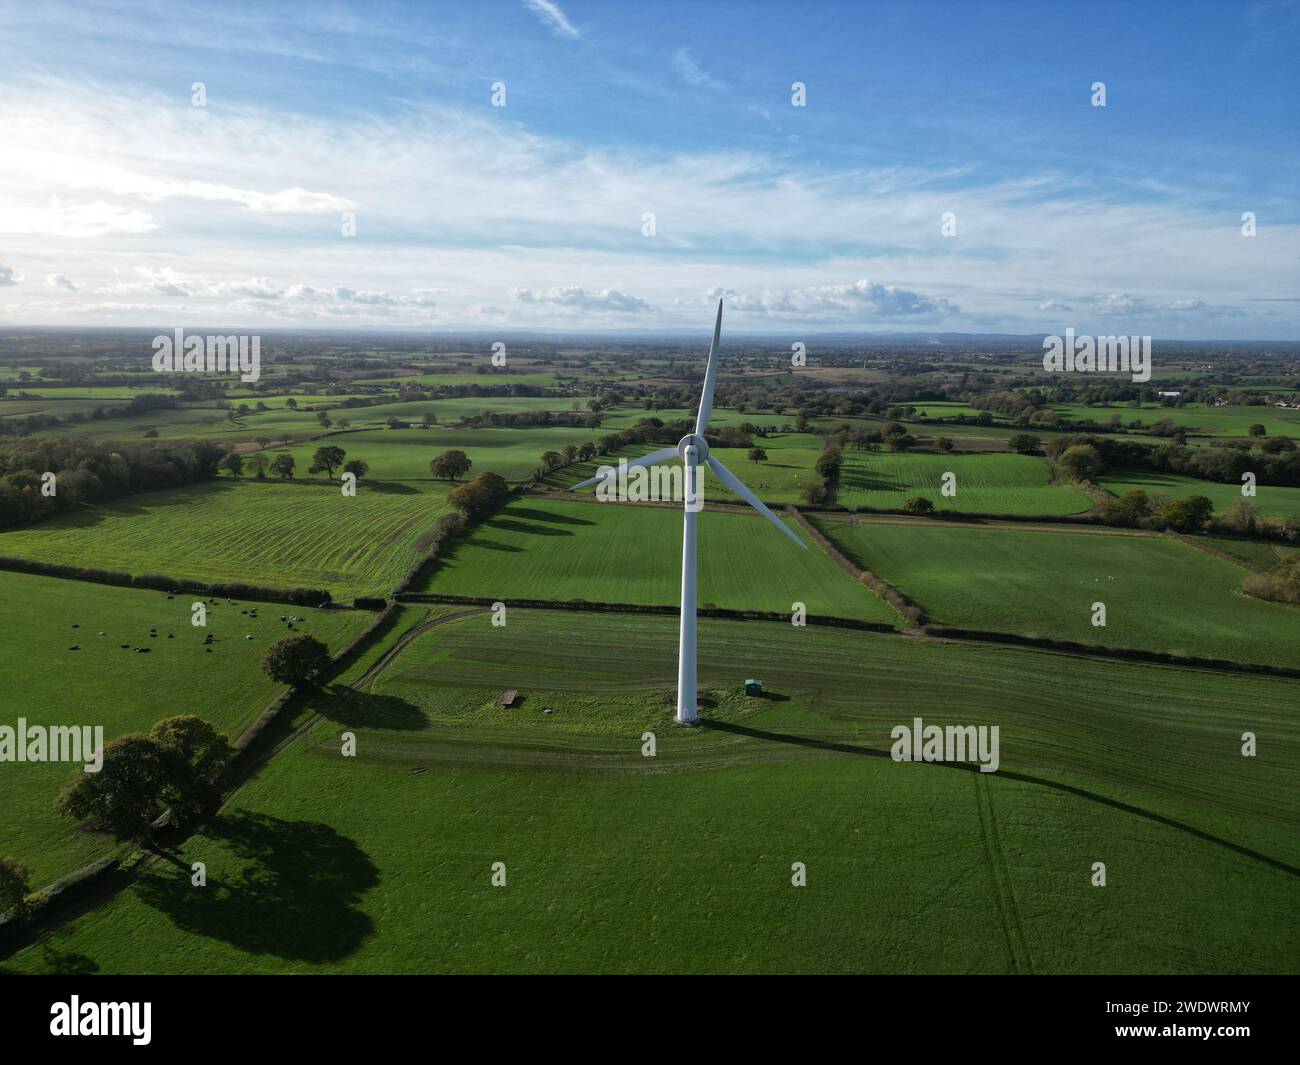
<point x="664" y="454"/>
<point x="734" y="483"/>
<point x="710" y="376"/>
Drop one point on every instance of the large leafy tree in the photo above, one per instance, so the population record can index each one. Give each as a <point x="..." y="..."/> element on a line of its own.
<point x="327" y="458"/>
<point x="296" y="660"/>
<point x="450" y="465"/>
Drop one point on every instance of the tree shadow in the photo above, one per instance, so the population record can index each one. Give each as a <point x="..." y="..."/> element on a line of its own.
<point x="357" y="709"/>
<point x="388" y="488"/>
<point x="529" y="514"/>
<point x="492" y="545"/>
<point x="506" y="525"/>
<point x="294" y="896"/>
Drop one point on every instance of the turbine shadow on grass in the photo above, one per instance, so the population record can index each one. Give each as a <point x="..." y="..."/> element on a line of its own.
<point x="295" y="897"/>
<point x="1079" y="793"/>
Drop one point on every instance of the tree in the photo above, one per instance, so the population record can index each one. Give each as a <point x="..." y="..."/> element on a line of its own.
<point x="282" y="465"/>
<point x="324" y="419"/>
<point x="429" y="419"/>
<point x="343" y="423"/>
<point x="450" y="465"/>
<point x="945" y="443"/>
<point x="1024" y="443"/>
<point x="199" y="755"/>
<point x="126" y="795"/>
<point x="1242" y="517"/>
<point x="257" y="463"/>
<point x="757" y="454"/>
<point x="902" y="443"/>
<point x="291" y="403"/>
<point x="552" y="460"/>
<point x="296" y="660"/>
<point x="479" y="496"/>
<point x="327" y="458"/>
<point x="814" y="493"/>
<point x="1257" y="430"/>
<point x="1183" y="515"/>
<point x="14" y="887"/>
<point x="233" y="463"/>
<point x="357" y="468"/>
<point x="1081" y="462"/>
<point x="918" y="505"/>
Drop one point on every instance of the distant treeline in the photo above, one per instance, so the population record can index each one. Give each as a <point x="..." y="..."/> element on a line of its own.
<point x="90" y="472"/>
<point x="1224" y="465"/>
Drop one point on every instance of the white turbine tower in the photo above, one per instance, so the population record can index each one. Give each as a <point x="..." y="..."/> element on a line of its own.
<point x="694" y="452"/>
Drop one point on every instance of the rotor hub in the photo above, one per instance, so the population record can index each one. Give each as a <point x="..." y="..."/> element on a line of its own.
<point x="696" y="441"/>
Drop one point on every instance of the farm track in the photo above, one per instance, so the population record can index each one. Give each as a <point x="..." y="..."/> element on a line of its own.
<point x="1003" y="891"/>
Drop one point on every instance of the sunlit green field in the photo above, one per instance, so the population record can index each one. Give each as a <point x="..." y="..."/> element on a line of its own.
<point x="617" y="862"/>
<point x="1274" y="501"/>
<point x="989" y="484"/>
<point x="262" y="533"/>
<point x="106" y="684"/>
<point x="612" y="552"/>
<point x="405" y="454"/>
<point x="1160" y="594"/>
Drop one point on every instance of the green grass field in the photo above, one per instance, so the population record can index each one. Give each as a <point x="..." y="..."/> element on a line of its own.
<point x="611" y="552"/>
<point x="404" y="454"/>
<point x="988" y="484"/>
<point x="1274" y="501"/>
<point x="1160" y="594"/>
<point x="105" y="684"/>
<point x="263" y="533"/>
<point x="619" y="863"/>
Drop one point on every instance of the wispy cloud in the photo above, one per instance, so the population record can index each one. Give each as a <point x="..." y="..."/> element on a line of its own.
<point x="692" y="73"/>
<point x="551" y="15"/>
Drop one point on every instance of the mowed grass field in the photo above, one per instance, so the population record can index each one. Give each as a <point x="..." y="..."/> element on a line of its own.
<point x="791" y="458"/>
<point x="1160" y="593"/>
<point x="405" y="454"/>
<point x="259" y="532"/>
<point x="621" y="553"/>
<point x="1274" y="501"/>
<point x="41" y="679"/>
<point x="986" y="484"/>
<point x="617" y="862"/>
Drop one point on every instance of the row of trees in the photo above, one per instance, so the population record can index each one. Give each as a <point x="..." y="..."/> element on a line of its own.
<point x="88" y="472"/>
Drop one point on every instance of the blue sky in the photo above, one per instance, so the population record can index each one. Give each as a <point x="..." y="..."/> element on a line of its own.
<point x="122" y="202"/>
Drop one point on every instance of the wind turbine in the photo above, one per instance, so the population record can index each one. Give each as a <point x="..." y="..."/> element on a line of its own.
<point x="694" y="452"/>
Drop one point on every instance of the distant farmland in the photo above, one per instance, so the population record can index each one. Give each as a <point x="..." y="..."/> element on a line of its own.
<point x="1160" y="594"/>
<point x="612" y="552"/>
<point x="263" y="533"/>
<point x="989" y="484"/>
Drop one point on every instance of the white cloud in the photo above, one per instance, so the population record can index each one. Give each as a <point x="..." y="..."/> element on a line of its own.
<point x="62" y="281"/>
<point x="76" y="220"/>
<point x="608" y="299"/>
<point x="172" y="207"/>
<point x="7" y="276"/>
<point x="864" y="299"/>
<point x="551" y="15"/>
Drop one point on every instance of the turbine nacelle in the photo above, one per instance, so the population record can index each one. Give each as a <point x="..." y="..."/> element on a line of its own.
<point x="697" y="441"/>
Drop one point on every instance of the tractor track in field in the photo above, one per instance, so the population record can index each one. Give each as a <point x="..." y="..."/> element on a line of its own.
<point x="1003" y="893"/>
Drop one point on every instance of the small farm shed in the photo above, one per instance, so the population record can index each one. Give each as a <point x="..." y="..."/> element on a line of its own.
<point x="753" y="687"/>
<point x="509" y="697"/>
